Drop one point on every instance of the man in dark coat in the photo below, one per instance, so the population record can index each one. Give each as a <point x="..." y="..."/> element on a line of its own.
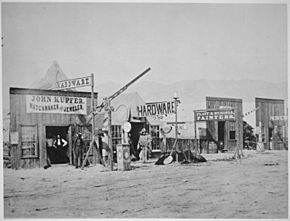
<point x="78" y="150"/>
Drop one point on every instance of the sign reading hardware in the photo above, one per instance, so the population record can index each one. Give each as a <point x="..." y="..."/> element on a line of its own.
<point x="214" y="115"/>
<point x="158" y="108"/>
<point x="72" y="83"/>
<point x="56" y="104"/>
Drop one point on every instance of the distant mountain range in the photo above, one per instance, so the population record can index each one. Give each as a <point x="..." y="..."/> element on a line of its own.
<point x="195" y="91"/>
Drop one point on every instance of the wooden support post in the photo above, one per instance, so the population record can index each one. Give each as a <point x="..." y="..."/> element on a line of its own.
<point x="93" y="120"/>
<point x="93" y="128"/>
<point x="176" y="126"/>
<point x="195" y="137"/>
<point x="110" y="143"/>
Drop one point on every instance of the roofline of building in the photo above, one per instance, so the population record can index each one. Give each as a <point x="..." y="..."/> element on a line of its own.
<point x="224" y="99"/>
<point x="268" y="99"/>
<point x="30" y="91"/>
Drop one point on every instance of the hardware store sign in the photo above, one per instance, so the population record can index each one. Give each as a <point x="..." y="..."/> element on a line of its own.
<point x="157" y="108"/>
<point x="214" y="115"/>
<point x="56" y="104"/>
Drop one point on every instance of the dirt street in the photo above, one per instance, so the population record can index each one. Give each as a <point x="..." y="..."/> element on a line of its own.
<point x="255" y="187"/>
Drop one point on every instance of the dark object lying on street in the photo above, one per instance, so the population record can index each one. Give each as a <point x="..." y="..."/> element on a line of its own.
<point x="182" y="157"/>
<point x="46" y="166"/>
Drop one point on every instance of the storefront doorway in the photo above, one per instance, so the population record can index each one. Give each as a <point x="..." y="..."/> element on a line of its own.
<point x="57" y="155"/>
<point x="221" y="134"/>
<point x="136" y="128"/>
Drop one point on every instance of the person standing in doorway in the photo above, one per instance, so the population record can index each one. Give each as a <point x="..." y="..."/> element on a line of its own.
<point x="60" y="145"/>
<point x="78" y="150"/>
<point x="59" y="142"/>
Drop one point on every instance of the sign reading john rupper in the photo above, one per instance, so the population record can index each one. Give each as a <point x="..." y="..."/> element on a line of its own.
<point x="214" y="115"/>
<point x="158" y="108"/>
<point x="72" y="83"/>
<point x="56" y="104"/>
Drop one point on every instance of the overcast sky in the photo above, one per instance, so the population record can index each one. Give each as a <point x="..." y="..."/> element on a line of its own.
<point x="117" y="41"/>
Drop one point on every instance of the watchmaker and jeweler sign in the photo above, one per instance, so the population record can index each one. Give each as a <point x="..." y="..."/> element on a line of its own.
<point x="214" y="115"/>
<point x="56" y="104"/>
<point x="156" y="108"/>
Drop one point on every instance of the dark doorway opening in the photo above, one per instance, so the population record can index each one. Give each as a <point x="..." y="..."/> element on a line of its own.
<point x="221" y="134"/>
<point x="135" y="129"/>
<point x="57" y="155"/>
<point x="271" y="130"/>
<point x="270" y="138"/>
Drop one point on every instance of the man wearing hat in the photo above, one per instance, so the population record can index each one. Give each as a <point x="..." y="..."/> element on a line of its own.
<point x="78" y="150"/>
<point x="144" y="144"/>
<point x="105" y="147"/>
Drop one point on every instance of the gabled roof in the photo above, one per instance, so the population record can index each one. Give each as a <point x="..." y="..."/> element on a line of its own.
<point x="53" y="74"/>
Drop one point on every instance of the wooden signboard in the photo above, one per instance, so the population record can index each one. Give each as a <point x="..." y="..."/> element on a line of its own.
<point x="56" y="104"/>
<point x="214" y="115"/>
<point x="73" y="83"/>
<point x="156" y="109"/>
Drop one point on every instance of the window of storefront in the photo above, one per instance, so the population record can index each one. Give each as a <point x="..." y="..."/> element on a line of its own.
<point x="29" y="144"/>
<point x="232" y="130"/>
<point x="116" y="135"/>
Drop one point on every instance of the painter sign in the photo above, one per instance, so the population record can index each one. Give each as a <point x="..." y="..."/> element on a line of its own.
<point x="157" y="108"/>
<point x="56" y="104"/>
<point x="214" y="115"/>
<point x="72" y="83"/>
<point x="282" y="118"/>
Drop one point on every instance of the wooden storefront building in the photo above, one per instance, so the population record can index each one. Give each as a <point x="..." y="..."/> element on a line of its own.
<point x="38" y="115"/>
<point x="226" y="133"/>
<point x="271" y="122"/>
<point x="126" y="110"/>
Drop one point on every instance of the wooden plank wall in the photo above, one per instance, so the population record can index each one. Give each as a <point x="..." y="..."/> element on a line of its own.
<point x="268" y="108"/>
<point x="212" y="126"/>
<point x="20" y="117"/>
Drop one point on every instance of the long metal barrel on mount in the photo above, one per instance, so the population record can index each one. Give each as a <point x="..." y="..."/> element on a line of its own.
<point x="124" y="88"/>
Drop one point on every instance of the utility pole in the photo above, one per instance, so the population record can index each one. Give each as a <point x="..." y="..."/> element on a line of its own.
<point x="93" y="120"/>
<point x="176" y="127"/>
<point x="195" y="136"/>
<point x="93" y="127"/>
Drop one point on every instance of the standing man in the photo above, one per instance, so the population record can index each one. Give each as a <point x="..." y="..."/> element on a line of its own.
<point x="105" y="148"/>
<point x="163" y="141"/>
<point x="59" y="142"/>
<point x="78" y="150"/>
<point x="61" y="147"/>
<point x="144" y="143"/>
<point x="49" y="147"/>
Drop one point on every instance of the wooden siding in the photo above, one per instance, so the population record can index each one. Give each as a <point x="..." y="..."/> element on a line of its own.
<point x="268" y="108"/>
<point x="212" y="126"/>
<point x="19" y="117"/>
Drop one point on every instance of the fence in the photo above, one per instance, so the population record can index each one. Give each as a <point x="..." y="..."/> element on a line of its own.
<point x="203" y="146"/>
